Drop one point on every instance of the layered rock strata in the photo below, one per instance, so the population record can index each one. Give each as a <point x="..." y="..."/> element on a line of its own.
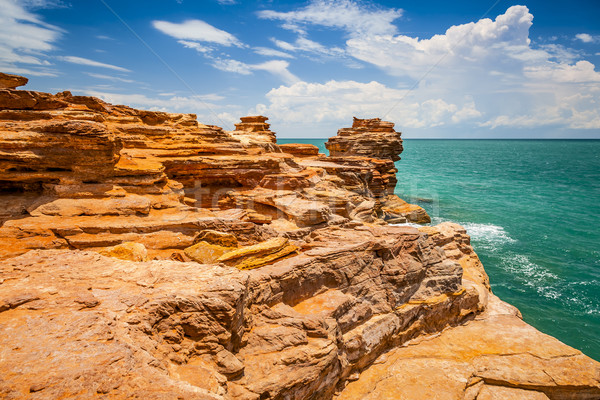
<point x="143" y="254"/>
<point x="77" y="172"/>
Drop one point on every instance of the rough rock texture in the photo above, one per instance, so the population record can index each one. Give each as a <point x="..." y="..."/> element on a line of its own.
<point x="77" y="172"/>
<point x="330" y="318"/>
<point x="300" y="149"/>
<point x="10" y="81"/>
<point x="372" y="146"/>
<point x="273" y="274"/>
<point x="368" y="138"/>
<point x="292" y="329"/>
<point x="494" y="356"/>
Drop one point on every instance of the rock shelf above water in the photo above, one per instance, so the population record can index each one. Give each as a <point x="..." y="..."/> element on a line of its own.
<point x="145" y="254"/>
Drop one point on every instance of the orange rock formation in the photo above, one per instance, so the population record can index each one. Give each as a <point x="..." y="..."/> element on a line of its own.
<point x="143" y="254"/>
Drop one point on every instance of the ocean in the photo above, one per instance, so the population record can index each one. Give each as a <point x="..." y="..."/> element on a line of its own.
<point x="532" y="208"/>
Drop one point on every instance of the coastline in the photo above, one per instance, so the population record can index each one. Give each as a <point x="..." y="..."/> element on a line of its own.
<point x="144" y="253"/>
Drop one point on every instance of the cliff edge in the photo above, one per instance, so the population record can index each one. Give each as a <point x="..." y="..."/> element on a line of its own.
<point x="144" y="254"/>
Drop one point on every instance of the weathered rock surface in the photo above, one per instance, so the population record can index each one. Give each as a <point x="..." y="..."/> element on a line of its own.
<point x="73" y="167"/>
<point x="250" y="257"/>
<point x="273" y="276"/>
<point x="372" y="138"/>
<point x="10" y="81"/>
<point x="300" y="149"/>
<point x="496" y="356"/>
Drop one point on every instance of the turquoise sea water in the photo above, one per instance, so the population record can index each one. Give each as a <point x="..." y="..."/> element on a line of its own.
<point x="532" y="208"/>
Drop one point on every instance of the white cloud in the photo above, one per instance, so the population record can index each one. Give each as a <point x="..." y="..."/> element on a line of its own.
<point x="278" y="68"/>
<point x="196" y="46"/>
<point x="265" y="51"/>
<point x="504" y="41"/>
<point x="354" y="17"/>
<point x="25" y="39"/>
<point x="202" y="105"/>
<point x="576" y="112"/>
<point x="43" y="3"/>
<point x="91" y="63"/>
<point x="586" y="37"/>
<point x="232" y="66"/>
<point x="493" y="62"/>
<point x="304" y="44"/>
<point x="110" y="78"/>
<point x="197" y="30"/>
<point x="335" y="103"/>
<point x="580" y="72"/>
<point x="227" y="2"/>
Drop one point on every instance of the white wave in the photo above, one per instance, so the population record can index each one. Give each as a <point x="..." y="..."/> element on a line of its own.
<point x="488" y="236"/>
<point x="408" y="224"/>
<point x="529" y="273"/>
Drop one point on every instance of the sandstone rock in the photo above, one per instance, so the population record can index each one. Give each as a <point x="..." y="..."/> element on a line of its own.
<point x="207" y="253"/>
<point x="10" y="81"/>
<point x="127" y="251"/>
<point x="219" y="238"/>
<point x="367" y="137"/>
<point x="28" y="100"/>
<point x="336" y="294"/>
<point x="494" y="357"/>
<point x="254" y="130"/>
<point x="300" y="149"/>
<point x="297" y="328"/>
<point x="396" y="210"/>
<point x="257" y="255"/>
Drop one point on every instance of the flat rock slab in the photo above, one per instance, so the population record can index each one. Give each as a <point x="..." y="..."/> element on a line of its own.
<point x="496" y="356"/>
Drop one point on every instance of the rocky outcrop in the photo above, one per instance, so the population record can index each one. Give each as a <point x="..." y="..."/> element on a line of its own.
<point x="371" y="138"/>
<point x="348" y="316"/>
<point x="372" y="145"/>
<point x="73" y="167"/>
<point x="254" y="131"/>
<point x="143" y="254"/>
<point x="10" y="81"/>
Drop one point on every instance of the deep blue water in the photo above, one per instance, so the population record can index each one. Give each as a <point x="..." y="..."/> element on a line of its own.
<point x="532" y="208"/>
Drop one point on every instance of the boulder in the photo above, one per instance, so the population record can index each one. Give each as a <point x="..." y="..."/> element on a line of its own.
<point x="250" y="257"/>
<point x="396" y="210"/>
<point x="219" y="238"/>
<point x="127" y="251"/>
<point x="206" y="253"/>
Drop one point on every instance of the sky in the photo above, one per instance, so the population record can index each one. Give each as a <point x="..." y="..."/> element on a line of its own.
<point x="437" y="69"/>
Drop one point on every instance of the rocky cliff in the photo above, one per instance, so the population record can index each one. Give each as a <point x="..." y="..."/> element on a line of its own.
<point x="144" y="254"/>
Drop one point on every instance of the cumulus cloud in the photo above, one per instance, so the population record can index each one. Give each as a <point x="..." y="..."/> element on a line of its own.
<point x="504" y="42"/>
<point x="494" y="62"/>
<point x="202" y="105"/>
<point x="91" y="63"/>
<point x="334" y="103"/>
<point x="25" y="39"/>
<point x="586" y="37"/>
<point x="197" y="30"/>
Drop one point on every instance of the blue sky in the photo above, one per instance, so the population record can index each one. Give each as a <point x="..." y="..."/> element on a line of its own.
<point x="489" y="69"/>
